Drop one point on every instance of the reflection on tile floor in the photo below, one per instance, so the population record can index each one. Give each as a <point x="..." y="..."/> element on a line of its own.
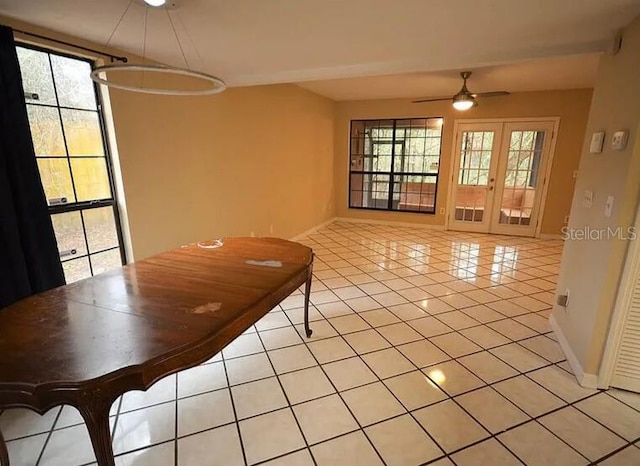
<point x="428" y="347"/>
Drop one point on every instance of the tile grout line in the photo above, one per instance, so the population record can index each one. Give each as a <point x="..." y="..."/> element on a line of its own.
<point x="490" y="385"/>
<point x="337" y="392"/>
<point x="395" y="251"/>
<point x="380" y="380"/>
<point x="451" y="397"/>
<point x="46" y="441"/>
<point x="290" y="408"/>
<point x="233" y="406"/>
<point x="175" y="423"/>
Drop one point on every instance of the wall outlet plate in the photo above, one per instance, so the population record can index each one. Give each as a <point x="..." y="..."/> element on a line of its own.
<point x="597" y="142"/>
<point x="562" y="300"/>
<point x="587" y="198"/>
<point x="619" y="139"/>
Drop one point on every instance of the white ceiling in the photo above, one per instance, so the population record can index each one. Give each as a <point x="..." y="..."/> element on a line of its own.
<point x="570" y="72"/>
<point x="248" y="42"/>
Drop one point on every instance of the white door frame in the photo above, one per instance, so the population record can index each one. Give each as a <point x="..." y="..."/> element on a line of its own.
<point x="620" y="310"/>
<point x="484" y="225"/>
<point x="547" y="171"/>
<point x="503" y="157"/>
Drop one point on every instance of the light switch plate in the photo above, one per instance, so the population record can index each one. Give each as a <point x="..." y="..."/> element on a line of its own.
<point x="619" y="139"/>
<point x="587" y="198"/>
<point x="597" y="142"/>
<point x="608" y="207"/>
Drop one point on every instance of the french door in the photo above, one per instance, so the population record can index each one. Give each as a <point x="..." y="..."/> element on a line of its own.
<point x="499" y="175"/>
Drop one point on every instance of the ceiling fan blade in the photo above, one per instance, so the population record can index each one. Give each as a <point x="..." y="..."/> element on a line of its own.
<point x="492" y="94"/>
<point x="440" y="99"/>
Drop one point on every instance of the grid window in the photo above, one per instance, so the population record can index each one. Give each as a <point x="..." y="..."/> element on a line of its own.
<point x="68" y="137"/>
<point x="395" y="164"/>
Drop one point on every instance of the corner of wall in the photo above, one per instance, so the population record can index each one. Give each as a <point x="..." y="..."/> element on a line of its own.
<point x="312" y="230"/>
<point x="584" y="379"/>
<point x="117" y="174"/>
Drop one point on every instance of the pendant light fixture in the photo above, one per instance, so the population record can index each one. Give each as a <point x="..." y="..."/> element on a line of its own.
<point x="208" y="84"/>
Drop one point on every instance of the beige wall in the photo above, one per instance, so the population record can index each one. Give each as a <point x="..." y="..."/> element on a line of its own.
<point x="592" y="269"/>
<point x="256" y="159"/>
<point x="572" y="106"/>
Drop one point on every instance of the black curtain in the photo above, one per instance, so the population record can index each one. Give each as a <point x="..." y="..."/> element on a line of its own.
<point x="29" y="261"/>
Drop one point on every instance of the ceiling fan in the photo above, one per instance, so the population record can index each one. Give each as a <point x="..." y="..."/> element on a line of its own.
<point x="464" y="99"/>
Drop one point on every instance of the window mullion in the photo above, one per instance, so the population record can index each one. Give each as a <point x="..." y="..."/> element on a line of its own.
<point x="393" y="155"/>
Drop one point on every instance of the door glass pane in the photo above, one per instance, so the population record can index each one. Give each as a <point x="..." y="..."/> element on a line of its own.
<point x="105" y="261"/>
<point x="36" y="76"/>
<point x="101" y="228"/>
<point x="521" y="177"/>
<point x="91" y="179"/>
<point x="69" y="235"/>
<point x="76" y="269"/>
<point x="473" y="175"/>
<point x="73" y="83"/>
<point x="56" y="180"/>
<point x="46" y="132"/>
<point x="83" y="133"/>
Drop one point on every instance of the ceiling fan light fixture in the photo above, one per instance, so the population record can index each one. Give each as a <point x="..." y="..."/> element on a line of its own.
<point x="463" y="101"/>
<point x="155" y="3"/>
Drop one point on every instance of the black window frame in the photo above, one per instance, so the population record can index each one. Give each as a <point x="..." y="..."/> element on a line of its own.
<point x="92" y="204"/>
<point x="391" y="174"/>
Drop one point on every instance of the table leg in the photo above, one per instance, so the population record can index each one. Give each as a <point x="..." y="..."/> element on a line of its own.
<point x="4" y="454"/>
<point x="307" y="292"/>
<point x="96" y="417"/>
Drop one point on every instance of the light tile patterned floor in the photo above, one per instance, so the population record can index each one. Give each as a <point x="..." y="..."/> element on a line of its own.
<point x="428" y="347"/>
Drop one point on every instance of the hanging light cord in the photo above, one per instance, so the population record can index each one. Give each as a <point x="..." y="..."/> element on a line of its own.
<point x="175" y="34"/>
<point x="124" y="13"/>
<point x="99" y="74"/>
<point x="200" y="60"/>
<point x="144" y="45"/>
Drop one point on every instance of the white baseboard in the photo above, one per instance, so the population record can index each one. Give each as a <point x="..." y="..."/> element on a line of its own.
<point x="550" y="236"/>
<point x="389" y="222"/>
<point x="586" y="380"/>
<point x="313" y="229"/>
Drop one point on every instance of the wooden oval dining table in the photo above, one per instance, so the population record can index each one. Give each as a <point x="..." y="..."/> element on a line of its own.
<point x="87" y="343"/>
